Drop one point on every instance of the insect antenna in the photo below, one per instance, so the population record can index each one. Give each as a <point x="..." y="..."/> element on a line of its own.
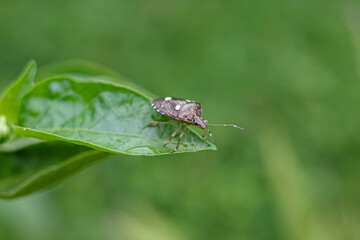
<point x="225" y="125"/>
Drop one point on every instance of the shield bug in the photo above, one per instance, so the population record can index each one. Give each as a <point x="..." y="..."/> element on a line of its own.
<point x="183" y="111"/>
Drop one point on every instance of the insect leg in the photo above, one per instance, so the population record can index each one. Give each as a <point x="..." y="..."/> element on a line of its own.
<point x="211" y="137"/>
<point x="173" y="135"/>
<point x="157" y="123"/>
<point x="181" y="135"/>
<point x="204" y="137"/>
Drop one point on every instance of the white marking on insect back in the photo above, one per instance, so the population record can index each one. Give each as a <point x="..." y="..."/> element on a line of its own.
<point x="168" y="98"/>
<point x="177" y="107"/>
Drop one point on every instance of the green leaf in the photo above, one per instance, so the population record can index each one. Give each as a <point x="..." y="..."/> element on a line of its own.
<point x="41" y="166"/>
<point x="10" y="100"/>
<point x="78" y="103"/>
<point x="99" y="114"/>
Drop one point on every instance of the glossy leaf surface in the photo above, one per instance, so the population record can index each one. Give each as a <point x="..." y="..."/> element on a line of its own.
<point x="42" y="165"/>
<point x="101" y="115"/>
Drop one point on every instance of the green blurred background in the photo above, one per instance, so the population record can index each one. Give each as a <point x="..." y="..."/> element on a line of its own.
<point x="286" y="71"/>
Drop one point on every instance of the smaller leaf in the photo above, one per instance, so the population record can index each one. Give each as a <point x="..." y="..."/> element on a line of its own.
<point x="10" y="101"/>
<point x="41" y="166"/>
<point x="85" y="70"/>
<point x="18" y="143"/>
<point x="79" y="68"/>
<point x="4" y="129"/>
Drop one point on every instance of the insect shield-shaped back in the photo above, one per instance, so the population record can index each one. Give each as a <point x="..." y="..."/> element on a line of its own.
<point x="184" y="111"/>
<point x="180" y="109"/>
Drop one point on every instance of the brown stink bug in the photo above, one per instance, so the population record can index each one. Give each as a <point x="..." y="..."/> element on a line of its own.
<point x="183" y="111"/>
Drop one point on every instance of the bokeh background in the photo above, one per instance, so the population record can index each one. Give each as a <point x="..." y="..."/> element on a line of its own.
<point x="287" y="71"/>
